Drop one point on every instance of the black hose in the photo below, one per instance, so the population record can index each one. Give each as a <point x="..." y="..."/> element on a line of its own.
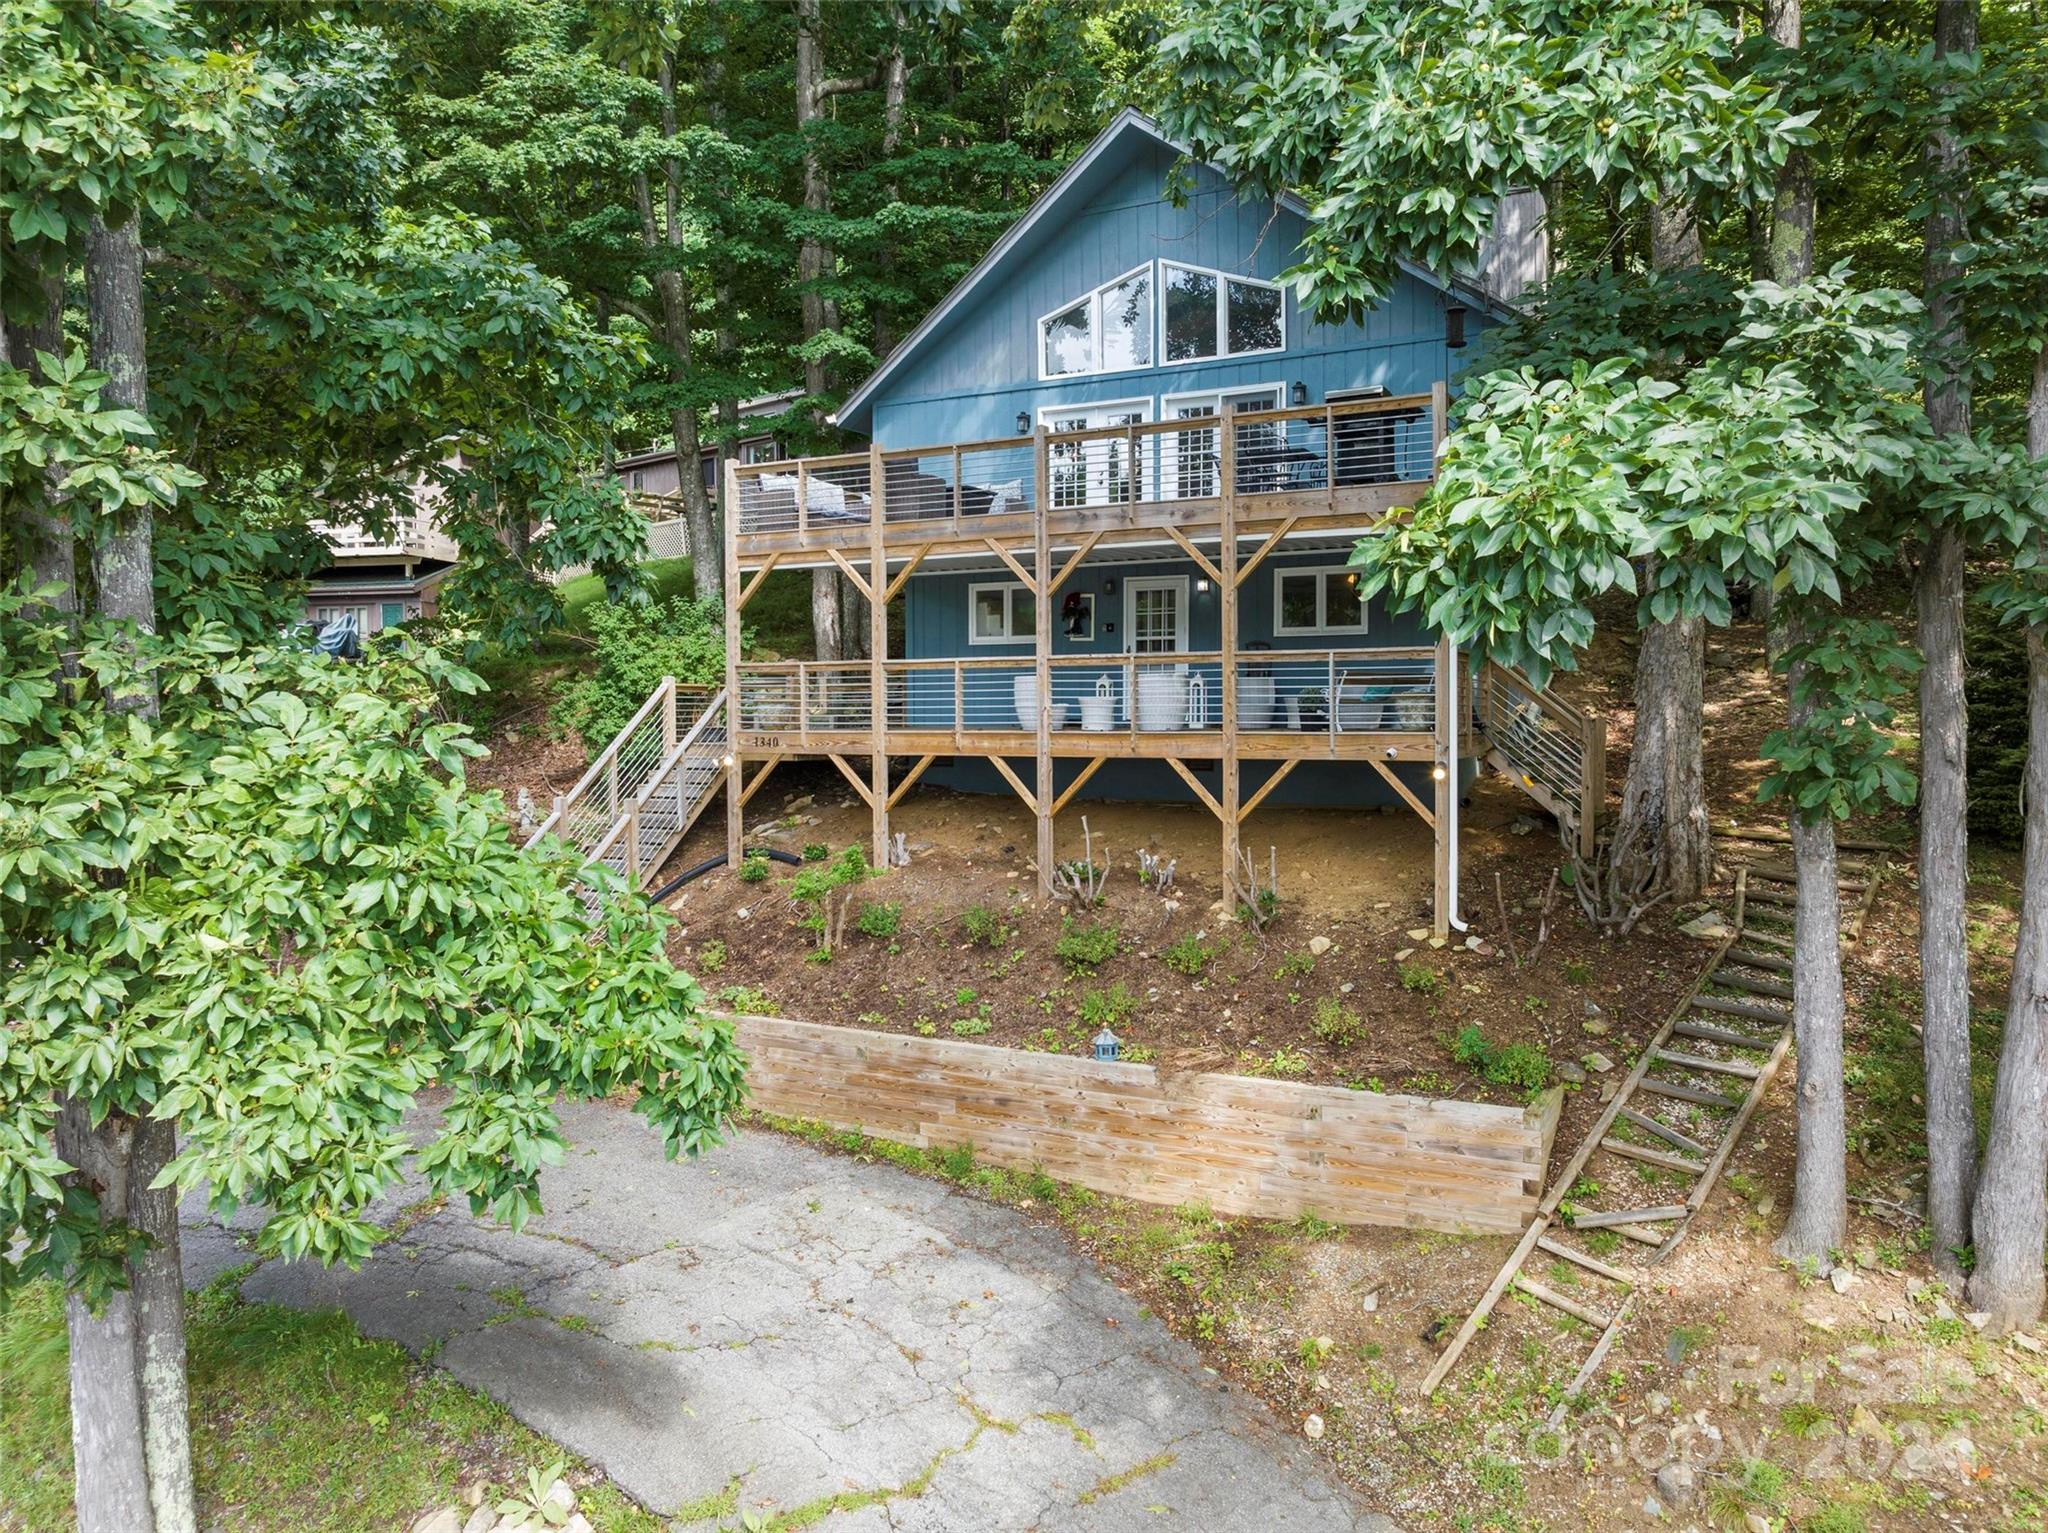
<point x="718" y="862"/>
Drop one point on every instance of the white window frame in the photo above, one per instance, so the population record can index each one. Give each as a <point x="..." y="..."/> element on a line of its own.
<point x="1136" y="583"/>
<point x="1321" y="628"/>
<point x="1169" y="441"/>
<point x="1009" y="635"/>
<point x="1223" y="281"/>
<point x="1093" y="299"/>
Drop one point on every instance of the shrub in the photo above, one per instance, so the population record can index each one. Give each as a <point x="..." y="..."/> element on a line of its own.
<point x="753" y="868"/>
<point x="711" y="956"/>
<point x="1521" y="1065"/>
<point x="1471" y="1049"/>
<point x="1190" y="956"/>
<point x="822" y="887"/>
<point x="636" y="647"/>
<point x="879" y="918"/>
<point x="1084" y="947"/>
<point x="1334" y="1022"/>
<point x="984" y="925"/>
<point x="1110" y="1008"/>
<point x="816" y="851"/>
<point x="1420" y="979"/>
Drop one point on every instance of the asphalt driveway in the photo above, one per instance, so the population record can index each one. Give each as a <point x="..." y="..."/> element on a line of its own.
<point x="868" y="1347"/>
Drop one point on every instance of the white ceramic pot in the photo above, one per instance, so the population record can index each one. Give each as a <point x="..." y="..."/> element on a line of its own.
<point x="1098" y="713"/>
<point x="1255" y="701"/>
<point x="1162" y="700"/>
<point x="1024" y="695"/>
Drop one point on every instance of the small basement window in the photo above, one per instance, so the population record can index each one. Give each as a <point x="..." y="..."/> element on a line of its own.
<point x="1324" y="600"/>
<point x="1001" y="613"/>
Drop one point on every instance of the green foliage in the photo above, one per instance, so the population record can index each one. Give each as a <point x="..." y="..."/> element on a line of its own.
<point x="1521" y="1065"/>
<point x="1082" y="948"/>
<point x="1470" y="1047"/>
<point x="816" y="851"/>
<point x="1335" y="1023"/>
<point x="879" y="919"/>
<point x="285" y="877"/>
<point x="984" y="925"/>
<point x="754" y="868"/>
<point x="1296" y="965"/>
<point x="1190" y="955"/>
<point x="1419" y="978"/>
<point x="971" y="1027"/>
<point x="711" y="956"/>
<point x="822" y="886"/>
<point x="1996" y="687"/>
<point x="637" y="647"/>
<point x="1111" y="1008"/>
<point x="1835" y="757"/>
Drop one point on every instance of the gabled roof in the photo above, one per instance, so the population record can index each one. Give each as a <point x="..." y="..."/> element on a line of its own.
<point x="1129" y="129"/>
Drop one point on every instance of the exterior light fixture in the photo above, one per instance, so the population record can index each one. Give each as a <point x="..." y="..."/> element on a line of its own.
<point x="1202" y="586"/>
<point x="1109" y="586"/>
<point x="1300" y="393"/>
<point x="1454" y="327"/>
<point x="1107" y="1046"/>
<point x="1023" y="424"/>
<point x="1438" y="772"/>
<point x="725" y="761"/>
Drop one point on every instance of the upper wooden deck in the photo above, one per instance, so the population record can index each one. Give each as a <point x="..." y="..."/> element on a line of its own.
<point x="1316" y="469"/>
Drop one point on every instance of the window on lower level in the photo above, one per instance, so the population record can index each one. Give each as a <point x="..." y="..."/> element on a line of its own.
<point x="1001" y="614"/>
<point x="1317" y="601"/>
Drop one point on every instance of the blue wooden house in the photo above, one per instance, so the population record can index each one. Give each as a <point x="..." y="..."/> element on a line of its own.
<point x="1114" y="480"/>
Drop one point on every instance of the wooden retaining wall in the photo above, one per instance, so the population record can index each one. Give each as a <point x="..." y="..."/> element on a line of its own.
<point x="1251" y="1147"/>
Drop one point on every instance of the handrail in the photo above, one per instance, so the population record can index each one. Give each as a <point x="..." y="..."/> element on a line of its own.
<point x="609" y="754"/>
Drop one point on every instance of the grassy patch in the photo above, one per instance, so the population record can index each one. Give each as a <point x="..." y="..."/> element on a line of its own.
<point x="1109" y="1485"/>
<point x="298" y="1422"/>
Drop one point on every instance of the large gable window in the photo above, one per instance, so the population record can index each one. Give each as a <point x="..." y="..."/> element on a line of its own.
<point x="1108" y="331"/>
<point x="1212" y="314"/>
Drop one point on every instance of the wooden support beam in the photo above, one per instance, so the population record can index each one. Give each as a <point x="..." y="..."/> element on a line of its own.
<point x="768" y="563"/>
<point x="1394" y="781"/>
<point x="1015" y="782"/>
<point x="879" y="798"/>
<point x="1074" y="561"/>
<point x="867" y="795"/>
<point x="1002" y="553"/>
<point x="909" y="780"/>
<point x="1446" y="735"/>
<point x="747" y="793"/>
<point x="1259" y="554"/>
<point x="846" y="568"/>
<point x="1039" y="583"/>
<point x="1230" y="811"/>
<point x="1088" y="770"/>
<point x="1194" y="782"/>
<point x="1201" y="559"/>
<point x="902" y="577"/>
<point x="1279" y="776"/>
<point x="735" y="602"/>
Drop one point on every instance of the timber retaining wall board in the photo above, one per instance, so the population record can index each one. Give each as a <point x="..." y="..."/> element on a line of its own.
<point x="1245" y="1146"/>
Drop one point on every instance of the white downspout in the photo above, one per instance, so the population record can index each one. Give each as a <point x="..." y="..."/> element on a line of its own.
<point x="1451" y="680"/>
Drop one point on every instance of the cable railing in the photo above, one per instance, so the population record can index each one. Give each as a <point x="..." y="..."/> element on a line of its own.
<point x="1550" y="744"/>
<point x="1317" y="451"/>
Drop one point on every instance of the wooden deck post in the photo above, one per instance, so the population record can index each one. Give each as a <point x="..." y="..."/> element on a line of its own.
<point x="736" y="767"/>
<point x="1041" y="574"/>
<point x="1446" y="732"/>
<point x="878" y="653"/>
<point x="1226" y="593"/>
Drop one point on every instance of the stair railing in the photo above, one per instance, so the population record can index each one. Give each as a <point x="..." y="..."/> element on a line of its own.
<point x="1558" y="751"/>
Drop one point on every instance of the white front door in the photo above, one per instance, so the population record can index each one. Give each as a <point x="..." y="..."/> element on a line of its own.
<point x="1156" y="614"/>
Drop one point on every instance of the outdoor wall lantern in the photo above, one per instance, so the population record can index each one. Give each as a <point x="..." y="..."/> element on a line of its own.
<point x="1202" y="586"/>
<point x="1109" y="586"/>
<point x="1023" y="424"/>
<point x="1454" y="327"/>
<point x="1107" y="1046"/>
<point x="1300" y="394"/>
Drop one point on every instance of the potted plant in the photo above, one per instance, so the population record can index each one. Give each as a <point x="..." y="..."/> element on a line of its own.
<point x="1313" y="705"/>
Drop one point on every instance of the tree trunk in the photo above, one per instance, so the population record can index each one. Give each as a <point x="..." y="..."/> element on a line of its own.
<point x="1819" y="1220"/>
<point x="2010" y="1217"/>
<point x="1944" y="724"/>
<point x="895" y="95"/>
<point x="825" y="613"/>
<point x="1663" y="799"/>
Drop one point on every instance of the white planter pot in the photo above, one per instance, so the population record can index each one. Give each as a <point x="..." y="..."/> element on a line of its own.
<point x="1254" y="702"/>
<point x="1162" y="700"/>
<point x="1024" y="695"/>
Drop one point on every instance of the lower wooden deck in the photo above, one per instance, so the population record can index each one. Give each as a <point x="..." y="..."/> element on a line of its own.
<point x="1073" y="745"/>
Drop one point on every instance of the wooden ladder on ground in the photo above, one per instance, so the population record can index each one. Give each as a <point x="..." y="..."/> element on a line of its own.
<point x="1552" y="750"/>
<point x="645" y="790"/>
<point x="1678" y="1113"/>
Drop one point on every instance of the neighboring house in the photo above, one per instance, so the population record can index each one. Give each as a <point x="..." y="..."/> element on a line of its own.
<point x="1114" y="478"/>
<point x="654" y="471"/>
<point x="386" y="579"/>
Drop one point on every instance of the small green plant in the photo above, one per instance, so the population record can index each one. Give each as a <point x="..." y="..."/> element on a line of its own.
<point x="984" y="925"/>
<point x="1578" y="972"/>
<point x="753" y="868"/>
<point x="825" y="888"/>
<point x="965" y="995"/>
<point x="711" y="956"/>
<point x="879" y="919"/>
<point x="1419" y="979"/>
<point x="1295" y="966"/>
<point x="1313" y="1350"/>
<point x="1190" y="956"/>
<point x="1471" y="1049"/>
<point x="745" y="1000"/>
<point x="1834" y="1517"/>
<point x="1335" y="1023"/>
<point x="1521" y="1065"/>
<point x="816" y="851"/>
<point x="971" y="1027"/>
<point x="533" y="1507"/>
<point x="1082" y="948"/>
<point x="1316" y="1229"/>
<point x="1110" y="1008"/>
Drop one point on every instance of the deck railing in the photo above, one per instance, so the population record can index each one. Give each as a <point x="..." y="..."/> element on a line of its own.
<point x="1375" y="691"/>
<point x="1315" y="451"/>
<point x="1556" y="749"/>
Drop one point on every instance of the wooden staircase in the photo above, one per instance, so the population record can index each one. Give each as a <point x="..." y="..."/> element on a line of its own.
<point x="645" y="790"/>
<point x="1554" y="752"/>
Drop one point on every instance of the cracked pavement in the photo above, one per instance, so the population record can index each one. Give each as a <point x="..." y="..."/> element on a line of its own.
<point x="816" y="1334"/>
